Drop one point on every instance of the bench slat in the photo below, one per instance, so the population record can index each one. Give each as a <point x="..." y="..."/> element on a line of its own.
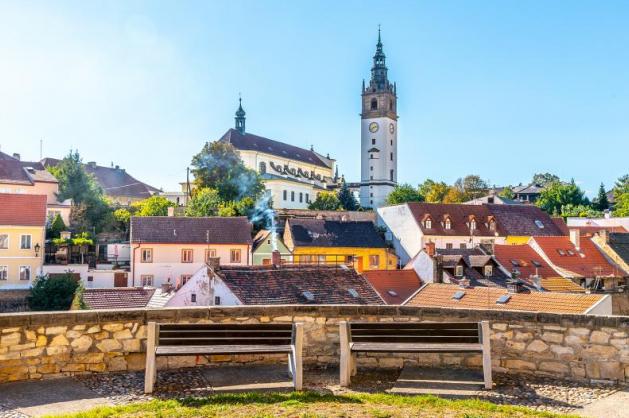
<point x="413" y="325"/>
<point x="220" y="349"/>
<point x="414" y="348"/>
<point x="415" y="339"/>
<point x="223" y="341"/>
<point x="179" y="327"/>
<point x="422" y="332"/>
<point x="224" y="334"/>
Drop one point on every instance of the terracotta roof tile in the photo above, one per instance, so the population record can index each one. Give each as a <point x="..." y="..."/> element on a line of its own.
<point x="524" y="220"/>
<point x="561" y="284"/>
<point x="22" y="209"/>
<point x="441" y="296"/>
<point x="587" y="261"/>
<point x="271" y="285"/>
<point x="394" y="286"/>
<point x="117" y="298"/>
<point x="526" y="259"/>
<point x="188" y="230"/>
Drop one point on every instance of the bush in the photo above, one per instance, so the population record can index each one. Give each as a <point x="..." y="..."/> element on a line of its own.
<point x="53" y="293"/>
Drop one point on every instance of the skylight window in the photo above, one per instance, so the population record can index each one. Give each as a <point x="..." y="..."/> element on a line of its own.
<point x="353" y="292"/>
<point x="539" y="224"/>
<point x="515" y="263"/>
<point x="536" y="263"/>
<point x="561" y="252"/>
<point x="503" y="299"/>
<point x="458" y="295"/>
<point x="308" y="295"/>
<point x="392" y="292"/>
<point x="570" y="252"/>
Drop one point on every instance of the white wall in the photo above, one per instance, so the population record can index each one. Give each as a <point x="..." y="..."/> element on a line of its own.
<point x="404" y="231"/>
<point x="277" y="187"/>
<point x="386" y="142"/>
<point x="204" y="288"/>
<point x="604" y="307"/>
<point x="424" y="267"/>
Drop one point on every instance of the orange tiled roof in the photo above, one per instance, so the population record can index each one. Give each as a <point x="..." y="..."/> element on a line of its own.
<point x="523" y="258"/>
<point x="440" y="295"/>
<point x="561" y="284"/>
<point x="585" y="262"/>
<point x="394" y="286"/>
<point x="22" y="209"/>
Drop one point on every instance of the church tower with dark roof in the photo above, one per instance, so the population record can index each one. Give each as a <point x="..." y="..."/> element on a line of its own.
<point x="378" y="134"/>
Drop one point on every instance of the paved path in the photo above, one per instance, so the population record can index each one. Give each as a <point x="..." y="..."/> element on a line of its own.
<point x="614" y="406"/>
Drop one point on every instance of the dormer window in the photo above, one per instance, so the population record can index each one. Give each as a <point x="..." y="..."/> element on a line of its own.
<point x="428" y="223"/>
<point x="489" y="270"/>
<point x="492" y="225"/>
<point x="448" y="223"/>
<point x="458" y="271"/>
<point x="473" y="225"/>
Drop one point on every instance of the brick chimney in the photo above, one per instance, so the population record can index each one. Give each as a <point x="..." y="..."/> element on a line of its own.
<point x="430" y="248"/>
<point x="575" y="238"/>
<point x="437" y="270"/>
<point x="276" y="258"/>
<point x="604" y="234"/>
<point x="16" y="156"/>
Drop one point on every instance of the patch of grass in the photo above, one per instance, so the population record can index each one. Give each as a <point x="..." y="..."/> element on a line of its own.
<point x="311" y="405"/>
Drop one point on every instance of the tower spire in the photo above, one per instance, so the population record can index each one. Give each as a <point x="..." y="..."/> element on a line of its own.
<point x="379" y="79"/>
<point x="240" y="116"/>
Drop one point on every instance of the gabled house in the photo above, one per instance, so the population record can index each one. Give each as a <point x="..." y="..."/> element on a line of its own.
<point x="116" y="183"/>
<point x="579" y="259"/>
<point x="321" y="241"/>
<point x="22" y="235"/>
<point x="275" y="284"/>
<point x="24" y="177"/>
<point x="439" y="295"/>
<point x="169" y="249"/>
<point x="264" y="243"/>
<point x="411" y="226"/>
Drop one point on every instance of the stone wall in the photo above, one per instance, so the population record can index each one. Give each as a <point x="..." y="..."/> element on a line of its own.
<point x="578" y="347"/>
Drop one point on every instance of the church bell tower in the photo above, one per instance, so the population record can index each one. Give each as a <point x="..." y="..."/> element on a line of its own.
<point x="378" y="134"/>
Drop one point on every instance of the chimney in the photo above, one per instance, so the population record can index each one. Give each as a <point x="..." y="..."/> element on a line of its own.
<point x="276" y="258"/>
<point x="514" y="286"/>
<point x="430" y="249"/>
<point x="91" y="164"/>
<point x="437" y="263"/>
<point x="171" y="211"/>
<point x="166" y="287"/>
<point x="575" y="238"/>
<point x="214" y="263"/>
<point x="604" y="234"/>
<point x="16" y="156"/>
<point x="464" y="283"/>
<point x="537" y="282"/>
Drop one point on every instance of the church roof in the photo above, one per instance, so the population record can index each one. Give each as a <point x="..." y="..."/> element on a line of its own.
<point x="250" y="142"/>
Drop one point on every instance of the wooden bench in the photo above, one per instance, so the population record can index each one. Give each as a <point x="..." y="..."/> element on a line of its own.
<point x="409" y="337"/>
<point x="209" y="339"/>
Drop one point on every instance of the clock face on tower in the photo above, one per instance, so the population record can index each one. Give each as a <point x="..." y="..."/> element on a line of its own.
<point x="373" y="127"/>
<point x="391" y="128"/>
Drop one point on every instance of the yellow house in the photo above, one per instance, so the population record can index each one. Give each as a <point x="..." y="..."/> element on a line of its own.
<point x="22" y="234"/>
<point x="355" y="243"/>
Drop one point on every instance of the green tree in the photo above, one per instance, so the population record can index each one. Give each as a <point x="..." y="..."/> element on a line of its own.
<point x="601" y="202"/>
<point x="507" y="193"/>
<point x="205" y="202"/>
<point x="153" y="206"/>
<point x="403" y="193"/>
<point x="53" y="293"/>
<point x="326" y="201"/>
<point x="56" y="227"/>
<point x="89" y="209"/>
<point x="121" y="219"/>
<point x="455" y="195"/>
<point x="558" y="194"/>
<point x="621" y="196"/>
<point x="580" y="211"/>
<point x="544" y="179"/>
<point x="472" y="186"/>
<point x="437" y="193"/>
<point x="345" y="196"/>
<point x="218" y="166"/>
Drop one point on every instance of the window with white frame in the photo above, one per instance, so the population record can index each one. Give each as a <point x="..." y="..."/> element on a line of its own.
<point x="25" y="242"/>
<point x="374" y="261"/>
<point x="146" y="255"/>
<point x="186" y="255"/>
<point x="147" y="280"/>
<point x="428" y="223"/>
<point x="25" y="272"/>
<point x="210" y="253"/>
<point x="234" y="256"/>
<point x="4" y="272"/>
<point x="473" y="224"/>
<point x="489" y="270"/>
<point x="4" y="241"/>
<point x="448" y="223"/>
<point x="458" y="271"/>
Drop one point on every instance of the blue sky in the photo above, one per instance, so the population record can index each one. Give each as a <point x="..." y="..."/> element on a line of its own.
<point x="498" y="88"/>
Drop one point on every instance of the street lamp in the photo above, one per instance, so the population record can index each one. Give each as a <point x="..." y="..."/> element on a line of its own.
<point x="37" y="248"/>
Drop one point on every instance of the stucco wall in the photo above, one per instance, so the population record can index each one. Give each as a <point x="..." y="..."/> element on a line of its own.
<point x="14" y="257"/>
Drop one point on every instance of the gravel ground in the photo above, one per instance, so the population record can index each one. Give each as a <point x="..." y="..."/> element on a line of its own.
<point x="534" y="392"/>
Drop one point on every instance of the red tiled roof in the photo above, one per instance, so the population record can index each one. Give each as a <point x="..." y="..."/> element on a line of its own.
<point x="189" y="230"/>
<point x="252" y="142"/>
<point x="585" y="262"/>
<point x="22" y="209"/>
<point x="440" y="295"/>
<point x="525" y="257"/>
<point x="524" y="220"/>
<point x="271" y="285"/>
<point x="394" y="286"/>
<point x="117" y="298"/>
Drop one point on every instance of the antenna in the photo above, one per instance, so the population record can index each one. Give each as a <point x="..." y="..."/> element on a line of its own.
<point x="41" y="149"/>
